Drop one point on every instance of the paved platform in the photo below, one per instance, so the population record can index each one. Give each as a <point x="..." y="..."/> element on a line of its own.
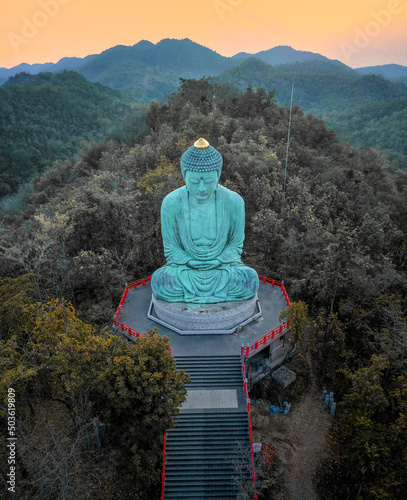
<point x="205" y="319"/>
<point x="136" y="306"/>
<point x="199" y="399"/>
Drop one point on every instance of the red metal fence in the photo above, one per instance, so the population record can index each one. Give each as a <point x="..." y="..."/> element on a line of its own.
<point x="279" y="330"/>
<point x="246" y="390"/>
<point x="131" y="286"/>
<point x="163" y="472"/>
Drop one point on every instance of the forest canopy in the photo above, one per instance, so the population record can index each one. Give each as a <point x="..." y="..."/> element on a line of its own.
<point x="337" y="236"/>
<point x="47" y="117"/>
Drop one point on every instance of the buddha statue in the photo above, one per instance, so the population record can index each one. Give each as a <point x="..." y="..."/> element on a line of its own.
<point x="203" y="231"/>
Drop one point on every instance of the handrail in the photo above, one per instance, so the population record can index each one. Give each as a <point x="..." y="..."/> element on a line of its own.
<point x="263" y="340"/>
<point x="163" y="472"/>
<point x="142" y="281"/>
<point x="248" y="407"/>
<point x="129" y="330"/>
<point x="272" y="282"/>
<point x="130" y="286"/>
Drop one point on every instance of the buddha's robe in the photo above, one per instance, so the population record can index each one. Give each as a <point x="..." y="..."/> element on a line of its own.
<point x="231" y="280"/>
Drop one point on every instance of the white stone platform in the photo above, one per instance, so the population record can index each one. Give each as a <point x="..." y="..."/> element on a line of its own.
<point x="198" y="399"/>
<point x="134" y="314"/>
<point x="200" y="319"/>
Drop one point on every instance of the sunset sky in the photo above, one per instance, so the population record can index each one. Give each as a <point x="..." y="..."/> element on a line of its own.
<point x="357" y="32"/>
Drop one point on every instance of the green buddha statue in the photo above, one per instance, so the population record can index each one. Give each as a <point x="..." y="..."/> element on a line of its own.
<point x="203" y="231"/>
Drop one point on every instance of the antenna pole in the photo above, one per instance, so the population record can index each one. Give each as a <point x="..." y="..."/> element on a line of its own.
<point x="288" y="139"/>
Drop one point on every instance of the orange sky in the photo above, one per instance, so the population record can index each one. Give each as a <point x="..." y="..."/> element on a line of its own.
<point x="357" y="32"/>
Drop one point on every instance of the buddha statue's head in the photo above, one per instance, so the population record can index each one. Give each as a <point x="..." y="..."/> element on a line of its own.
<point x="201" y="167"/>
<point x="201" y="157"/>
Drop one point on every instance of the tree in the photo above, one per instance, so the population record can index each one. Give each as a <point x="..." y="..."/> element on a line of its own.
<point x="138" y="396"/>
<point x="362" y="433"/>
<point x="51" y="355"/>
<point x="297" y="316"/>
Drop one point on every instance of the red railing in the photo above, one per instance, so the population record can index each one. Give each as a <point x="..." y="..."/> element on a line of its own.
<point x="262" y="341"/>
<point x="279" y="330"/>
<point x="131" y="286"/>
<point x="246" y="390"/>
<point x="141" y="282"/>
<point x="163" y="472"/>
<point x="272" y="282"/>
<point x="279" y="284"/>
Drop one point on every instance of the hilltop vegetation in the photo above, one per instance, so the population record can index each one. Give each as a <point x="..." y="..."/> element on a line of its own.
<point x="47" y="117"/>
<point x="364" y="110"/>
<point x="151" y="72"/>
<point x="337" y="236"/>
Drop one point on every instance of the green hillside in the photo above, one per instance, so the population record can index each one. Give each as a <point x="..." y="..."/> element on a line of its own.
<point x="391" y="71"/>
<point x="335" y="232"/>
<point x="46" y="117"/>
<point x="365" y="110"/>
<point x="283" y="54"/>
<point x="151" y="72"/>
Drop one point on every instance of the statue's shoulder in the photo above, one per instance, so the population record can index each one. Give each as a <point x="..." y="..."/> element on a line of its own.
<point x="232" y="197"/>
<point x="175" y="198"/>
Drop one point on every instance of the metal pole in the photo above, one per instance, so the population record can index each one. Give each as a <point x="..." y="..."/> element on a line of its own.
<point x="288" y="139"/>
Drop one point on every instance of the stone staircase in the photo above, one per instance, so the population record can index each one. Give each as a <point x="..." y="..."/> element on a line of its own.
<point x="208" y="451"/>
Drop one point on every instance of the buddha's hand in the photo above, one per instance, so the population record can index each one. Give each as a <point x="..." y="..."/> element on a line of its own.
<point x="204" y="265"/>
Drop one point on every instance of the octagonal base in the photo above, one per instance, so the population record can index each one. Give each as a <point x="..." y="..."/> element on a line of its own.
<point x="189" y="319"/>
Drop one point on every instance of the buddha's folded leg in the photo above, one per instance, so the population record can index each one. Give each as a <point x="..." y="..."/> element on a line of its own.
<point x="174" y="283"/>
<point x="166" y="285"/>
<point x="243" y="283"/>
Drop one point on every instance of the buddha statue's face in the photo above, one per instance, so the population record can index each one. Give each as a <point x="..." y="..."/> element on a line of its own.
<point x="201" y="185"/>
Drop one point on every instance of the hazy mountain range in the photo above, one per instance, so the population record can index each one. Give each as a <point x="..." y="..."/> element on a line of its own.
<point x="182" y="58"/>
<point x="366" y="106"/>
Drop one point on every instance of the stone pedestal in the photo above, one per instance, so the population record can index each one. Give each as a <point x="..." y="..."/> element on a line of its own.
<point x="189" y="319"/>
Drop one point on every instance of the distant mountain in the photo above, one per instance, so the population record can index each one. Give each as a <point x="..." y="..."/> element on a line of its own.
<point x="318" y="67"/>
<point x="317" y="82"/>
<point x="400" y="79"/>
<point x="343" y="97"/>
<point x="66" y="63"/>
<point x="391" y="71"/>
<point x="182" y="56"/>
<point x="366" y="110"/>
<point x="46" y="117"/>
<point x="146" y="70"/>
<point x="284" y="54"/>
<point x="151" y="71"/>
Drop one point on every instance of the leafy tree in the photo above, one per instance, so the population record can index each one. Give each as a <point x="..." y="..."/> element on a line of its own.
<point x="297" y="317"/>
<point x="46" y="117"/>
<point x="138" y="395"/>
<point x="336" y="237"/>
<point x="51" y="355"/>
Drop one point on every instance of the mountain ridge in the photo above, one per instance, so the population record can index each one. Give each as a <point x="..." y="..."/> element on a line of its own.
<point x="281" y="54"/>
<point x="47" y="117"/>
<point x="332" y="91"/>
<point x="284" y="54"/>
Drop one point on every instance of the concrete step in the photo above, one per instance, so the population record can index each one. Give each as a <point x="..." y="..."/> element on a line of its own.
<point x="199" y="419"/>
<point x="214" y="416"/>
<point x="209" y="432"/>
<point x="209" y="359"/>
<point x="215" y="472"/>
<point x="203" y="450"/>
<point x="200" y="495"/>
